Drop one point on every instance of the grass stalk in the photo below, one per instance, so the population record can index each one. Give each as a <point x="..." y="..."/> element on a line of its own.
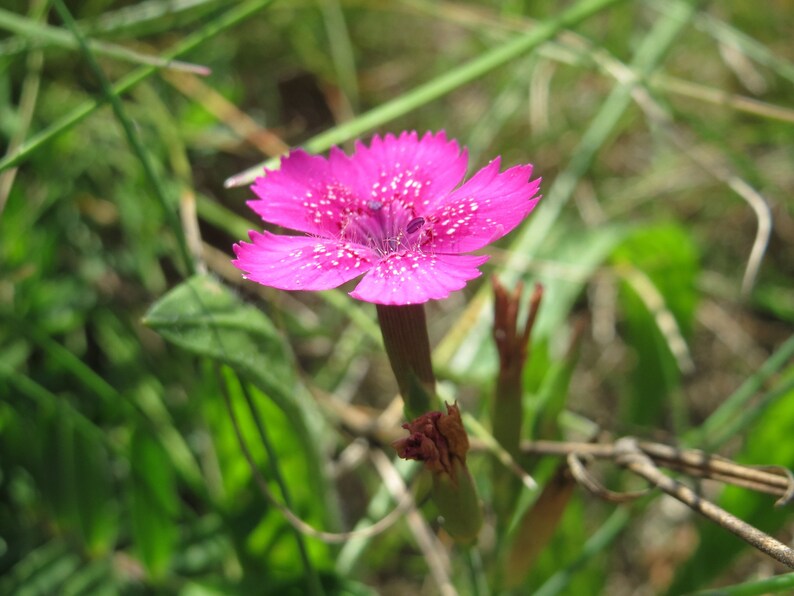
<point x="135" y="142"/>
<point x="440" y="85"/>
<point x="41" y="35"/>
<point x="232" y="17"/>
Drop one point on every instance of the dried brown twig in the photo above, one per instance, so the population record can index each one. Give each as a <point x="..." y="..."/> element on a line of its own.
<point x="645" y="460"/>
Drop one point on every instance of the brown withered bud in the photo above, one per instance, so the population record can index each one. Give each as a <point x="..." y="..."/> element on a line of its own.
<point x="437" y="439"/>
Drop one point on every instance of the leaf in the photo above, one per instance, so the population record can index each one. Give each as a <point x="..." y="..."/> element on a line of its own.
<point x="41" y="571"/>
<point x="541" y="411"/>
<point x="207" y="319"/>
<point x="153" y="503"/>
<point x="572" y="256"/>
<point x="658" y="298"/>
<point x="204" y="317"/>
<point x="56" y="469"/>
<point x="777" y="584"/>
<point x="97" y="578"/>
<point x="94" y="492"/>
<point x="777" y="300"/>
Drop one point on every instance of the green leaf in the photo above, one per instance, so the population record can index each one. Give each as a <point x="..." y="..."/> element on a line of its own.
<point x="153" y="504"/>
<point x="55" y="470"/>
<point x="777" y="584"/>
<point x="777" y="300"/>
<point x="658" y="298"/>
<point x="537" y="527"/>
<point x="94" y="491"/>
<point x="41" y="571"/>
<point x="206" y="318"/>
<point x="96" y="578"/>
<point x="570" y="256"/>
<point x="542" y="410"/>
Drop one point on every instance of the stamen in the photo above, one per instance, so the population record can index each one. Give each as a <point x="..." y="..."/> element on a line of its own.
<point x="386" y="227"/>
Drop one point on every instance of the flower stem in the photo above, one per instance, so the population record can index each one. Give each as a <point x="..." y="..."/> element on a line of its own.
<point x="404" y="330"/>
<point x="457" y="501"/>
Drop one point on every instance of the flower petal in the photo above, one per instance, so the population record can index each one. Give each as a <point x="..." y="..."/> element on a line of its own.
<point x="301" y="263"/>
<point x="416" y="171"/>
<point x="303" y="195"/>
<point x="485" y="208"/>
<point x="413" y="277"/>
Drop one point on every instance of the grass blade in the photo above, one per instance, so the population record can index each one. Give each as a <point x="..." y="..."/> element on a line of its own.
<point x="735" y="406"/>
<point x="233" y="16"/>
<point x="532" y="236"/>
<point x="46" y="35"/>
<point x="132" y="137"/>
<point x="440" y="85"/>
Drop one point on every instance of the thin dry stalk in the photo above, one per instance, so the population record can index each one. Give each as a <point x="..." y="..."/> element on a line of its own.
<point x="644" y="459"/>
<point x="630" y="456"/>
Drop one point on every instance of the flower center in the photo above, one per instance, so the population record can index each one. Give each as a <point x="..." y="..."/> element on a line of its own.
<point x="386" y="227"/>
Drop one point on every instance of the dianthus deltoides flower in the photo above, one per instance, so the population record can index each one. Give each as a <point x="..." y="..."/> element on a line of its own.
<point x="394" y="211"/>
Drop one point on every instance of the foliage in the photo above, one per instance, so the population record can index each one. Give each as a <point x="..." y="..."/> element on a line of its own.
<point x="663" y="132"/>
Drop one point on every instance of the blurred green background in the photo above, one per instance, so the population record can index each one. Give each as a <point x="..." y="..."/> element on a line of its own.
<point x="664" y="132"/>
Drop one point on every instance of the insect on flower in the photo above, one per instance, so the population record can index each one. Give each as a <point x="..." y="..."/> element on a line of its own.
<point x="395" y="211"/>
<point x="415" y="224"/>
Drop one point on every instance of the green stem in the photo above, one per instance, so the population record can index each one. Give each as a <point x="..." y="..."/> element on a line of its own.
<point x="404" y="330"/>
<point x="458" y="502"/>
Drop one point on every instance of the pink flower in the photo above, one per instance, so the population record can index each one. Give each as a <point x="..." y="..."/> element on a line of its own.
<point x="391" y="211"/>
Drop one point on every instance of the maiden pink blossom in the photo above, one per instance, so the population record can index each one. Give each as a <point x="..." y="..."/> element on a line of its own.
<point x="393" y="211"/>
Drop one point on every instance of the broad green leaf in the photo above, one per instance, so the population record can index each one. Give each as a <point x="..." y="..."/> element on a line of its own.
<point x="663" y="261"/>
<point x="268" y="528"/>
<point x="537" y="527"/>
<point x="566" y="262"/>
<point x="97" y="578"/>
<point x="153" y="504"/>
<point x="778" y="300"/>
<point x="777" y="584"/>
<point x="586" y="570"/>
<point x="537" y="366"/>
<point x="206" y="318"/>
<point x="542" y="410"/>
<point x="94" y="493"/>
<point x="56" y="473"/>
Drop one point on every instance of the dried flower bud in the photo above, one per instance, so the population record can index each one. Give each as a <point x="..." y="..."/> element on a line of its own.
<point x="440" y="441"/>
<point x="436" y="439"/>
